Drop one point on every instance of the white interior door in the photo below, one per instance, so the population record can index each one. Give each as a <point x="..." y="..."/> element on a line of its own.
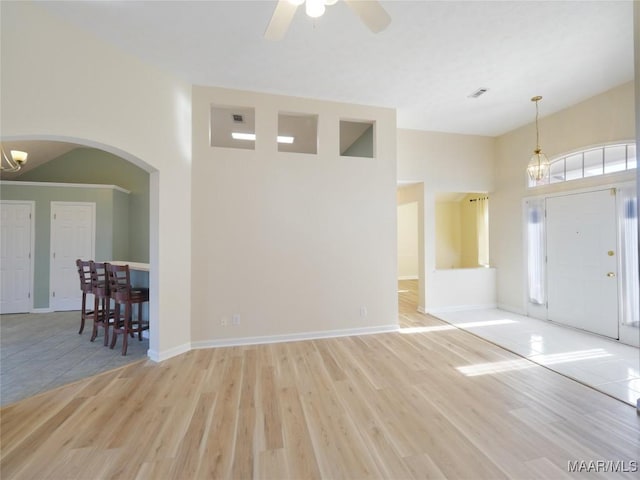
<point x="581" y="261"/>
<point x="72" y="237"/>
<point x="16" y="267"/>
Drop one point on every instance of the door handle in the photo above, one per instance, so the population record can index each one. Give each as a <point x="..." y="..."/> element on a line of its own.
<point x="611" y="274"/>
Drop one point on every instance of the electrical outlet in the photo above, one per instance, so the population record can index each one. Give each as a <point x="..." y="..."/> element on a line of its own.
<point x="224" y="321"/>
<point x="235" y="319"/>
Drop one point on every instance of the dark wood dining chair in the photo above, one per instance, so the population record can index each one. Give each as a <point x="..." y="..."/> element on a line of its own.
<point x="102" y="314"/>
<point x="84" y="272"/>
<point x="125" y="296"/>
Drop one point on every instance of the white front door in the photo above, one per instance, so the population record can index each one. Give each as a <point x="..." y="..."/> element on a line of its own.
<point x="72" y="237"/>
<point x="582" y="261"/>
<point x="16" y="267"/>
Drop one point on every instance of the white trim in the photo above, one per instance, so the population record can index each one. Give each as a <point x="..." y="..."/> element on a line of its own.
<point x="294" y="337"/>
<point x="170" y="353"/>
<point x="459" y="308"/>
<point x="629" y="335"/>
<point x="409" y="277"/>
<point x="574" y="191"/>
<point x="421" y="309"/>
<point x="41" y="310"/>
<point x="56" y="184"/>
<point x="514" y="309"/>
<point x="32" y="245"/>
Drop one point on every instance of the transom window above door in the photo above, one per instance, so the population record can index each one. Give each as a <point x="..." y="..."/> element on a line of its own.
<point x="590" y="162"/>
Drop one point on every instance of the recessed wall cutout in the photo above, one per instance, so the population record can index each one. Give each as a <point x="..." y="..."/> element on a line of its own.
<point x="357" y="139"/>
<point x="297" y="132"/>
<point x="233" y="127"/>
<point x="462" y="230"/>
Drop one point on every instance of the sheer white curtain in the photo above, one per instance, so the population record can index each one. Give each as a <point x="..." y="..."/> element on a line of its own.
<point x="628" y="234"/>
<point x="536" y="250"/>
<point x="482" y="222"/>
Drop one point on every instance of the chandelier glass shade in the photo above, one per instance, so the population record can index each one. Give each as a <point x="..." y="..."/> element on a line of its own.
<point x="538" y="167"/>
<point x="12" y="162"/>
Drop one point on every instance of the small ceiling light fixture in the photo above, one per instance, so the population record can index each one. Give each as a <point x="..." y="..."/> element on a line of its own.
<point x="252" y="137"/>
<point x="314" y="8"/>
<point x="539" y="164"/>
<point x="14" y="162"/>
<point x="243" y="136"/>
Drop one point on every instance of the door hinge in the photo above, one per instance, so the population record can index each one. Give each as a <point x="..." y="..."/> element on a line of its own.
<point x="54" y="255"/>
<point x="29" y="255"/>
<point x="613" y="191"/>
<point x="53" y="294"/>
<point x="29" y="295"/>
<point x="29" y="216"/>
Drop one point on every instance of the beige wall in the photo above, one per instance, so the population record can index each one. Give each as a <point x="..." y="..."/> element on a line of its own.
<point x="60" y="83"/>
<point x="469" y="226"/>
<point x="442" y="162"/>
<point x="608" y="117"/>
<point x="457" y="233"/>
<point x="448" y="235"/>
<point x="410" y="220"/>
<point x="408" y="241"/>
<point x="293" y="243"/>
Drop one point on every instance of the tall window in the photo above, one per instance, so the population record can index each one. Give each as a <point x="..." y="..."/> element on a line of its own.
<point x="482" y="224"/>
<point x="536" y="254"/>
<point x="590" y="163"/>
<point x="628" y="234"/>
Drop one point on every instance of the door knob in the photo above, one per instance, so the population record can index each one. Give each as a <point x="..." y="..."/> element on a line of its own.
<point x="611" y="274"/>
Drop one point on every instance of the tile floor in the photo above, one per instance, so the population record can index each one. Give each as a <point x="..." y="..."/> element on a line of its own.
<point x="42" y="351"/>
<point x="603" y="364"/>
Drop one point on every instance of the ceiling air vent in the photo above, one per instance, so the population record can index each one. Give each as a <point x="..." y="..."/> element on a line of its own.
<point x="479" y="92"/>
<point x="237" y="118"/>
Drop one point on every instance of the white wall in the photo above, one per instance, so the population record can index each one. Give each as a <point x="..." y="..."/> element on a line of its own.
<point x="442" y="162"/>
<point x="293" y="243"/>
<point x="608" y="117"/>
<point x="60" y="83"/>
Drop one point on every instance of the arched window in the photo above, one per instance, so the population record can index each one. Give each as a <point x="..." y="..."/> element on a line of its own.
<point x="591" y="162"/>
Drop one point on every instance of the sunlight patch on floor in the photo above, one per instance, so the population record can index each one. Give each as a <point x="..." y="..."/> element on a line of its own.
<point x="485" y="323"/>
<point x="519" y="364"/>
<point x="495" y="367"/>
<point x="434" y="328"/>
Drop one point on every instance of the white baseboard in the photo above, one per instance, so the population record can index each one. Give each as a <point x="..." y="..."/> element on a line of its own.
<point x="460" y="308"/>
<point x="409" y="277"/>
<point x="293" y="337"/>
<point x="512" y="309"/>
<point x="41" y="310"/>
<point x="166" y="354"/>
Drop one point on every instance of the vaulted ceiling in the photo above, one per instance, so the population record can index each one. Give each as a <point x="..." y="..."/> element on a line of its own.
<point x="425" y="64"/>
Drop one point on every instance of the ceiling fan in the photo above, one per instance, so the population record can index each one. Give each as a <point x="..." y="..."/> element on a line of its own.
<point x="372" y="14"/>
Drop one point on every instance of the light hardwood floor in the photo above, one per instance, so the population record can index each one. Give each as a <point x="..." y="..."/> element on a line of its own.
<point x="391" y="406"/>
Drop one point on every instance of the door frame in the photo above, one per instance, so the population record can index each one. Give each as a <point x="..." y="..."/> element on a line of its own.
<point x="52" y="239"/>
<point x="612" y="206"/>
<point x="32" y="244"/>
<point x="540" y="312"/>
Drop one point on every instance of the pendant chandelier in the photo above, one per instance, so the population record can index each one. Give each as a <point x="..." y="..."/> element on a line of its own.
<point x="12" y="162"/>
<point x="539" y="164"/>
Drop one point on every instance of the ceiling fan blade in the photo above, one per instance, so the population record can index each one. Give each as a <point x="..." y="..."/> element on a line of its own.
<point x="372" y="14"/>
<point x="280" y="20"/>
